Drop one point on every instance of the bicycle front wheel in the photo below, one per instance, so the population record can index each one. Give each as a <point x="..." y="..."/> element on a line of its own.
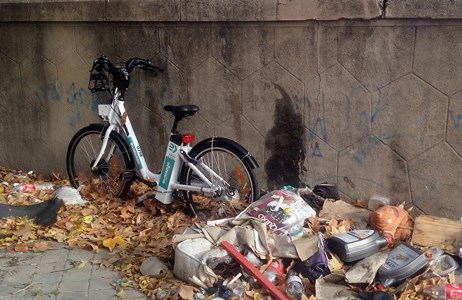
<point x="236" y="178"/>
<point x="107" y="176"/>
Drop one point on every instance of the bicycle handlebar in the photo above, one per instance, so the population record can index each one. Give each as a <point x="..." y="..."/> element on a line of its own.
<point x="144" y="64"/>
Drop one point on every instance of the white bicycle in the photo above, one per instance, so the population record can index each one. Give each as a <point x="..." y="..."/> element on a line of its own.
<point x="99" y="156"/>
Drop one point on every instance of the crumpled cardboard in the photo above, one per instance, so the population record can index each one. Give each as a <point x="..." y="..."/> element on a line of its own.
<point x="364" y="271"/>
<point x="342" y="210"/>
<point x="333" y="286"/>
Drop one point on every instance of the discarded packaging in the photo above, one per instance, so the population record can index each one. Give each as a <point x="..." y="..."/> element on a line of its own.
<point x="443" y="264"/>
<point x="364" y="270"/>
<point x="281" y="210"/>
<point x="316" y="265"/>
<point x="69" y="195"/>
<point x="31" y="187"/>
<point x="357" y="244"/>
<point x="404" y="261"/>
<point x="294" y="283"/>
<point x="188" y="256"/>
<point x="377" y="201"/>
<point x="445" y="291"/>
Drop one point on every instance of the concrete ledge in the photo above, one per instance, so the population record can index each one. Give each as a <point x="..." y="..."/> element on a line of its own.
<point x="52" y="10"/>
<point x="434" y="9"/>
<point x="224" y="10"/>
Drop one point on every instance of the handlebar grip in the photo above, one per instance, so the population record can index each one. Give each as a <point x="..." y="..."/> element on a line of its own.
<point x="152" y="67"/>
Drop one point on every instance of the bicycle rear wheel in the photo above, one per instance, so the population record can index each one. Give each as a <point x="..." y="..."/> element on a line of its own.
<point x="117" y="160"/>
<point x="239" y="180"/>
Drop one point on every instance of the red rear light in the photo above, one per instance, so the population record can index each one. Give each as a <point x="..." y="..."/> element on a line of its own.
<point x="188" y="138"/>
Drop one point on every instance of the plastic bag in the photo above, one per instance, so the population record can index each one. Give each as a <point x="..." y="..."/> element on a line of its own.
<point x="317" y="265"/>
<point x="281" y="210"/>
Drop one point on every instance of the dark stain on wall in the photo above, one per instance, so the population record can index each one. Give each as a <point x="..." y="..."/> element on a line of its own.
<point x="285" y="143"/>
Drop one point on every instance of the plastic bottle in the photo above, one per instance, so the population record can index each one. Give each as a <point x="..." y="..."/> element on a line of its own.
<point x="445" y="291"/>
<point x="357" y="244"/>
<point x="237" y="289"/>
<point x="294" y="287"/>
<point x="274" y="270"/>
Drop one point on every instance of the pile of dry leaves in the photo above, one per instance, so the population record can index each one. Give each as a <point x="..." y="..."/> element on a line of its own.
<point x="130" y="231"/>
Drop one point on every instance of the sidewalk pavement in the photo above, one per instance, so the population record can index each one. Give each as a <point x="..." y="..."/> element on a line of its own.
<point x="51" y="275"/>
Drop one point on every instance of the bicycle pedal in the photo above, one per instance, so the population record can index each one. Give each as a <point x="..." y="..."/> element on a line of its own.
<point x="177" y="195"/>
<point x="128" y="176"/>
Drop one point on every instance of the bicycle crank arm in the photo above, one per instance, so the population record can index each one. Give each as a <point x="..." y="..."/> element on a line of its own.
<point x="132" y="176"/>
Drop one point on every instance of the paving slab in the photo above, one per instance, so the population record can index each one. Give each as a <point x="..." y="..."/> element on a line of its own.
<point x="51" y="275"/>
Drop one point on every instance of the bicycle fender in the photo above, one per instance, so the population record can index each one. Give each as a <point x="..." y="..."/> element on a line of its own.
<point x="240" y="150"/>
<point x="118" y="137"/>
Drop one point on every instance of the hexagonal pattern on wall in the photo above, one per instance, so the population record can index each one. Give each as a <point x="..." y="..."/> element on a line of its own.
<point x="95" y="40"/>
<point x="219" y="98"/>
<point x="240" y="129"/>
<point x="371" y="168"/>
<point x="435" y="181"/>
<point x="136" y="41"/>
<point x="168" y="87"/>
<point x="152" y="133"/>
<point x="327" y="47"/>
<point x="72" y="86"/>
<point x="437" y="57"/>
<point x="341" y="113"/>
<point x="261" y="91"/>
<point x="230" y="42"/>
<point x="21" y="40"/>
<point x="409" y="116"/>
<point x="53" y="49"/>
<point x="186" y="46"/>
<point x="294" y="50"/>
<point x="317" y="79"/>
<point x="454" y="128"/>
<point x="23" y="121"/>
<point x="61" y="114"/>
<point x="10" y="81"/>
<point x="321" y="161"/>
<point x="45" y="91"/>
<point x="376" y="55"/>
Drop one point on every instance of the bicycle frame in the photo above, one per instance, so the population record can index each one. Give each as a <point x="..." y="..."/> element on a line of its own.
<point x="175" y="156"/>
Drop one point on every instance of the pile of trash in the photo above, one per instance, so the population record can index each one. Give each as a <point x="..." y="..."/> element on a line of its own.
<point x="309" y="244"/>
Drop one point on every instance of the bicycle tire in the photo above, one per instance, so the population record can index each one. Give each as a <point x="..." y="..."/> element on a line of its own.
<point x="230" y="164"/>
<point x="82" y="152"/>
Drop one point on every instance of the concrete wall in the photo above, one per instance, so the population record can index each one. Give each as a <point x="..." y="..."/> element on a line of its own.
<point x="364" y="94"/>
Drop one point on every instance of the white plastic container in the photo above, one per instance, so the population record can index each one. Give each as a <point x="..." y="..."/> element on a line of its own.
<point x="188" y="256"/>
<point x="377" y="201"/>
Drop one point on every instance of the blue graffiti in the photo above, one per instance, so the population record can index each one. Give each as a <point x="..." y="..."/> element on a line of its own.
<point x="53" y="91"/>
<point x="456" y="120"/>
<point x="316" y="150"/>
<point x="74" y="96"/>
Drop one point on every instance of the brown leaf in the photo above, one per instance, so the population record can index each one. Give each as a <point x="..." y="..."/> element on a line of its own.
<point x="187" y="292"/>
<point x="21" y="248"/>
<point x="41" y="246"/>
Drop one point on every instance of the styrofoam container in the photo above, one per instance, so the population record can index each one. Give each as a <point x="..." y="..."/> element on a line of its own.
<point x="188" y="256"/>
<point x="377" y="201"/>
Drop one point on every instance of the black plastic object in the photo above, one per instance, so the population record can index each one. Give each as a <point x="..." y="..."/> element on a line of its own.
<point x="357" y="244"/>
<point x="404" y="261"/>
<point x="327" y="190"/>
<point x="44" y="213"/>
